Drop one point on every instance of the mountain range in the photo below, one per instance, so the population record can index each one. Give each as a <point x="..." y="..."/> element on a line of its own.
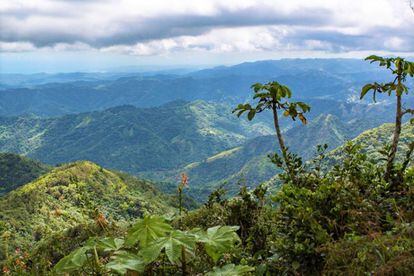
<point x="158" y="125"/>
<point x="201" y="138"/>
<point x="337" y="79"/>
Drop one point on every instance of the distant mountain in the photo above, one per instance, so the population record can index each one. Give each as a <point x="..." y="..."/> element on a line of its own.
<point x="129" y="138"/>
<point x="334" y="79"/>
<point x="16" y="170"/>
<point x="69" y="200"/>
<point x="248" y="163"/>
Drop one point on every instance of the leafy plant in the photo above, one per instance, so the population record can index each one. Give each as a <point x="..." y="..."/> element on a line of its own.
<point x="231" y="270"/>
<point x="401" y="69"/>
<point x="148" y="240"/>
<point x="273" y="96"/>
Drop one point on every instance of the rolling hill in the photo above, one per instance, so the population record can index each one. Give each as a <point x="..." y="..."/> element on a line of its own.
<point x="71" y="199"/>
<point x="373" y="140"/>
<point x="203" y="138"/>
<point x="129" y="138"/>
<point x="248" y="163"/>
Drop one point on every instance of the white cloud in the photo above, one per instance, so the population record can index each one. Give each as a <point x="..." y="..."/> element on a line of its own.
<point x="162" y="27"/>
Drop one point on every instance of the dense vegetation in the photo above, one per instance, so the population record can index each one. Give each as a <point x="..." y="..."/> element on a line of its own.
<point x="64" y="206"/>
<point x="346" y="212"/>
<point x="16" y="170"/>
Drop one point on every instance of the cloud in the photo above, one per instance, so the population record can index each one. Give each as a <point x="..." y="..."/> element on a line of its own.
<point x="160" y="27"/>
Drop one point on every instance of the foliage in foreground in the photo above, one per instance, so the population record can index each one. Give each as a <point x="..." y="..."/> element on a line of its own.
<point x="153" y="246"/>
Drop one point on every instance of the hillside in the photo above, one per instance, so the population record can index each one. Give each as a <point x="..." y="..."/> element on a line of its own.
<point x="128" y="138"/>
<point x="75" y="195"/>
<point x="16" y="170"/>
<point x="374" y="139"/>
<point x="249" y="164"/>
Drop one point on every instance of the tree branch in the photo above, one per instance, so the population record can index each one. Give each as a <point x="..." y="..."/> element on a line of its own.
<point x="408" y="111"/>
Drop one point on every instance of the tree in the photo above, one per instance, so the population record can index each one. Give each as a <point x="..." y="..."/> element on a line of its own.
<point x="273" y="96"/>
<point x="400" y="68"/>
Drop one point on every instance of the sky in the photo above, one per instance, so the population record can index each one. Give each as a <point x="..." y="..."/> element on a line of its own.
<point x="101" y="35"/>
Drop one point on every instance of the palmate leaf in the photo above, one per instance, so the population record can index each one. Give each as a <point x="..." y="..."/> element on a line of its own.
<point x="72" y="262"/>
<point x="123" y="261"/>
<point x="172" y="244"/>
<point x="219" y="239"/>
<point x="231" y="270"/>
<point x="147" y="230"/>
<point x="109" y="244"/>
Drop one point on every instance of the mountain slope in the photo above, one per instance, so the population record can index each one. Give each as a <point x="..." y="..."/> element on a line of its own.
<point x="374" y="139"/>
<point x="75" y="194"/>
<point x="129" y="138"/>
<point x="249" y="164"/>
<point x="16" y="170"/>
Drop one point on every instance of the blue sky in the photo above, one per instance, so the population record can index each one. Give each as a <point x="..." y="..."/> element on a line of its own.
<point x="97" y="35"/>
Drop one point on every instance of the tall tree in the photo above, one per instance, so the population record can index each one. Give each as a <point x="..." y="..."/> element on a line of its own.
<point x="400" y="68"/>
<point x="273" y="96"/>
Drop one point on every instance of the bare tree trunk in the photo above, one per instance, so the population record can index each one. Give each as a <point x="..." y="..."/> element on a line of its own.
<point x="183" y="262"/>
<point x="397" y="132"/>
<point x="282" y="143"/>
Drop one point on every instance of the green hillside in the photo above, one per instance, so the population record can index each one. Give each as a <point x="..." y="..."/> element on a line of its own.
<point x="373" y="140"/>
<point x="75" y="196"/>
<point x="16" y="170"/>
<point x="249" y="164"/>
<point x="130" y="139"/>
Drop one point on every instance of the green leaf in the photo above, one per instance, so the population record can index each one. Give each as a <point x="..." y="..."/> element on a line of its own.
<point x="123" y="261"/>
<point x="365" y="90"/>
<point x="251" y="114"/>
<point x="231" y="270"/>
<point x="147" y="230"/>
<point x="110" y="244"/>
<point x="219" y="239"/>
<point x="72" y="262"/>
<point x="295" y="265"/>
<point x="172" y="244"/>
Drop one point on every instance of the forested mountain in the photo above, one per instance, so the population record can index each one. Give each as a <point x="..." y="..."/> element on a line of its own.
<point x="309" y="78"/>
<point x="74" y="200"/>
<point x="248" y="164"/>
<point x="203" y="138"/>
<point x="129" y="138"/>
<point x="16" y="170"/>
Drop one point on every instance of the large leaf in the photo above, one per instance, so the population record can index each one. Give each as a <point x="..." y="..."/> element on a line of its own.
<point x="231" y="270"/>
<point x="72" y="262"/>
<point x="109" y="244"/>
<point x="123" y="261"/>
<point x="147" y="230"/>
<point x="172" y="244"/>
<point x="219" y="239"/>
